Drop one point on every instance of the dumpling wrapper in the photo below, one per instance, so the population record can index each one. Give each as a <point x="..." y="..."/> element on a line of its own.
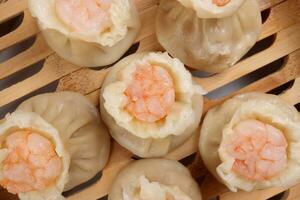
<point x="79" y="125"/>
<point x="30" y="120"/>
<point x="210" y="45"/>
<point x="88" y="49"/>
<point x="150" y="179"/>
<point x="218" y="125"/>
<point x="151" y="139"/>
<point x="152" y="190"/>
<point x="208" y="9"/>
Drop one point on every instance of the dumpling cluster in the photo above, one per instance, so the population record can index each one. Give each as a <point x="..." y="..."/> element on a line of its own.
<point x="150" y="103"/>
<point x="50" y="144"/>
<point x="207" y="35"/>
<point x="88" y="33"/>
<point x="252" y="142"/>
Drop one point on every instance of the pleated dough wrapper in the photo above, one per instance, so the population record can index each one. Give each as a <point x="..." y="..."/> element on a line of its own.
<point x="218" y="126"/>
<point x="30" y="120"/>
<point x="151" y="139"/>
<point x="207" y="9"/>
<point x="153" y="178"/>
<point x="80" y="127"/>
<point x="86" y="49"/>
<point x="207" y="44"/>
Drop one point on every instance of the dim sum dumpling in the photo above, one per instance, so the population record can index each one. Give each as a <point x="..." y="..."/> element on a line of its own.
<point x="157" y="179"/>
<point x="150" y="103"/>
<point x="88" y="33"/>
<point x="213" y="8"/>
<point x="252" y="141"/>
<point x="79" y="125"/>
<point x="33" y="160"/>
<point x="207" y="44"/>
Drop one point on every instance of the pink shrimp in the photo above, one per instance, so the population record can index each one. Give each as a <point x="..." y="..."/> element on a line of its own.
<point x="151" y="93"/>
<point x="259" y="150"/>
<point x="220" y="3"/>
<point x="32" y="163"/>
<point x="84" y="15"/>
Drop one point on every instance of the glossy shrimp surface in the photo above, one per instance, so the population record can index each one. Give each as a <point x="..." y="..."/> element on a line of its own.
<point x="32" y="163"/>
<point x="220" y="3"/>
<point x="84" y="15"/>
<point x="259" y="149"/>
<point x="151" y="93"/>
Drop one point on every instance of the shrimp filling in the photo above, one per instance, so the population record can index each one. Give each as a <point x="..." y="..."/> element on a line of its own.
<point x="84" y="15"/>
<point x="32" y="163"/>
<point x="259" y="149"/>
<point x="220" y="3"/>
<point x="150" y="94"/>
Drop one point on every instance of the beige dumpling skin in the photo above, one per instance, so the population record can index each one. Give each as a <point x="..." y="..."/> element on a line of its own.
<point x="34" y="161"/>
<point x="150" y="139"/>
<point x="155" y="177"/>
<point x="207" y="44"/>
<point x="80" y="127"/>
<point x="85" y="48"/>
<point x="213" y="8"/>
<point x="219" y="129"/>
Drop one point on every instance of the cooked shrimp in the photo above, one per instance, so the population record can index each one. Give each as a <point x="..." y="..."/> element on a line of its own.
<point x="151" y="93"/>
<point x="220" y="3"/>
<point x="84" y="15"/>
<point x="32" y="163"/>
<point x="259" y="149"/>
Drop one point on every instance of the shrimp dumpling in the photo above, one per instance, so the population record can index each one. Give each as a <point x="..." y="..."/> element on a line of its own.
<point x="198" y="33"/>
<point x="157" y="179"/>
<point x="88" y="33"/>
<point x="213" y="8"/>
<point x="252" y="141"/>
<point x="78" y="122"/>
<point x="34" y="162"/>
<point x="150" y="103"/>
<point x="50" y="144"/>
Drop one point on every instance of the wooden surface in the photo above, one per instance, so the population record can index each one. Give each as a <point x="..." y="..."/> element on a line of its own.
<point x="282" y="24"/>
